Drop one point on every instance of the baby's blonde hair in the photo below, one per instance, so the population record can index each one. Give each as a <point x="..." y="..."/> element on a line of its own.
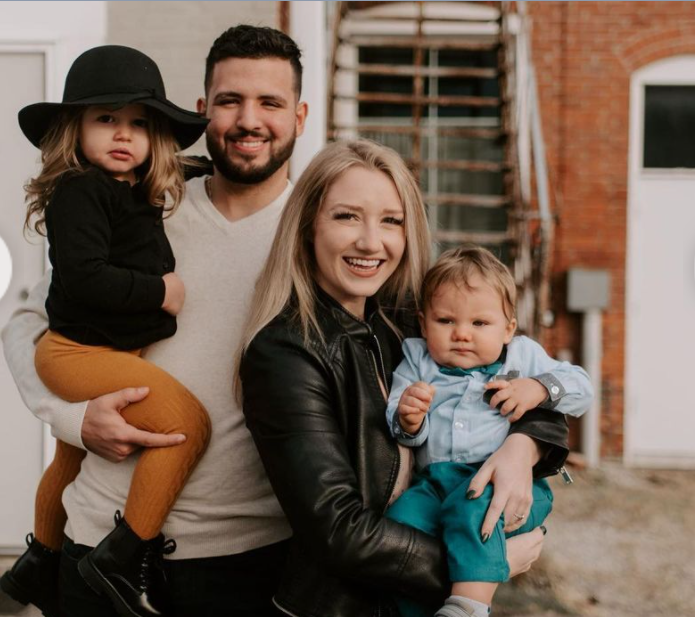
<point x="60" y="154"/>
<point x="459" y="265"/>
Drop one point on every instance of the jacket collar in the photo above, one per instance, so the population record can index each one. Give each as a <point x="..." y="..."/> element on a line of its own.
<point x="351" y="324"/>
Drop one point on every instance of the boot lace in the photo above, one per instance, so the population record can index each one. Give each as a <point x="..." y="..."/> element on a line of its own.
<point x="147" y="566"/>
<point x="152" y="561"/>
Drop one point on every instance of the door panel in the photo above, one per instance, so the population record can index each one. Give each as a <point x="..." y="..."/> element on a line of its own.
<point x="660" y="311"/>
<point x="21" y="435"/>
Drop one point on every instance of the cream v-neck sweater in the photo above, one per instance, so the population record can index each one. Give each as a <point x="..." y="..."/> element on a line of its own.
<point x="227" y="505"/>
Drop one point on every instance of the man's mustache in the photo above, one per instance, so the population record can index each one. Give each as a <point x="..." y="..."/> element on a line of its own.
<point x="235" y="136"/>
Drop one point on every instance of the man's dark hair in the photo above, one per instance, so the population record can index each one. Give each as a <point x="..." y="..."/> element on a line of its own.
<point x="254" y="42"/>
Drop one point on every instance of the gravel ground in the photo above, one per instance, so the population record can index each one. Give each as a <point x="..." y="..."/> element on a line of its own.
<point x="620" y="544"/>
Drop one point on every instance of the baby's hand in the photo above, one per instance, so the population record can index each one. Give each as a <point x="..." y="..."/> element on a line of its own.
<point x="518" y="395"/>
<point x="174" y="294"/>
<point x="413" y="406"/>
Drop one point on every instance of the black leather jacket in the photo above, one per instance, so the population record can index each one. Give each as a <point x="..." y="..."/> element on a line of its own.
<point x="317" y="415"/>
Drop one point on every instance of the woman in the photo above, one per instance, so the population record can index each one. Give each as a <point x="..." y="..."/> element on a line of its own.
<point x="318" y="355"/>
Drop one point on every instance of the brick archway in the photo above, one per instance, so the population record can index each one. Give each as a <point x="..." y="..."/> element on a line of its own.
<point x="656" y="44"/>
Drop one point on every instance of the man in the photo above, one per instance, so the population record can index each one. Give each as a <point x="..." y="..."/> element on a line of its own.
<point x="229" y="529"/>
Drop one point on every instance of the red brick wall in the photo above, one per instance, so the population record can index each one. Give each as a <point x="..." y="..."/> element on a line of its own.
<point x="584" y="54"/>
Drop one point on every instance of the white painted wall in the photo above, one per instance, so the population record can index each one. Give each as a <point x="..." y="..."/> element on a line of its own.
<point x="38" y="42"/>
<point x="308" y="29"/>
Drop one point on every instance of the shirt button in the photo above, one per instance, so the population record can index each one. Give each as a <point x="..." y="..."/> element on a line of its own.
<point x="555" y="389"/>
<point x="458" y="425"/>
<point x="165" y="265"/>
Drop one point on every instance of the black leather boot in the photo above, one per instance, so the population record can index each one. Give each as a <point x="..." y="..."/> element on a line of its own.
<point x="33" y="578"/>
<point x="129" y="571"/>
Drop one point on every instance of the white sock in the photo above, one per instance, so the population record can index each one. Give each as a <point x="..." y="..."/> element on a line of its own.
<point x="479" y="609"/>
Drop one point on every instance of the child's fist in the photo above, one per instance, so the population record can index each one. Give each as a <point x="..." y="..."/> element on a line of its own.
<point x="174" y="294"/>
<point x="413" y="406"/>
<point x="517" y="396"/>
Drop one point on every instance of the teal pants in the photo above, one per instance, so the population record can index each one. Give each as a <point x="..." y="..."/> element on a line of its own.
<point x="436" y="504"/>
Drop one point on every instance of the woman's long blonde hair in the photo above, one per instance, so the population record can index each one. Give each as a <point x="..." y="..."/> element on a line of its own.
<point x="60" y="154"/>
<point x="290" y="268"/>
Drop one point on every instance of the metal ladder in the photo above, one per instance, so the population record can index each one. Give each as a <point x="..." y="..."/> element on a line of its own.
<point x="461" y="145"/>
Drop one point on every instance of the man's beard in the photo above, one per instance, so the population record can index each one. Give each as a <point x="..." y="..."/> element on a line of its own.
<point x="248" y="175"/>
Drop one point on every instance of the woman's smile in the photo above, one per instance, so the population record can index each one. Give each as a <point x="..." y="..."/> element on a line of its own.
<point x="363" y="267"/>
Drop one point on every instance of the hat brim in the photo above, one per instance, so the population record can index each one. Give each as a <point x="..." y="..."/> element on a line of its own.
<point x="187" y="126"/>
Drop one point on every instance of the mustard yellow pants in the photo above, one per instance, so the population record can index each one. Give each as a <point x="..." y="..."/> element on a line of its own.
<point x="77" y="372"/>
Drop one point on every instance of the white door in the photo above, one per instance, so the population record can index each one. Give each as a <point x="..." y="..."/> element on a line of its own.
<point x="660" y="291"/>
<point x="22" y="73"/>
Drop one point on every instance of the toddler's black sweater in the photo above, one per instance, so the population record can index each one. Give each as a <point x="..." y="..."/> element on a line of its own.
<point x="109" y="252"/>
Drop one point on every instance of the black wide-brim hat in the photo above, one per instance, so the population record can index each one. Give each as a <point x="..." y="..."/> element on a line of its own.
<point x="113" y="75"/>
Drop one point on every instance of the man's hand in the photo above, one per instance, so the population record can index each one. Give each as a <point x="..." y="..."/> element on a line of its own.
<point x="108" y="435"/>
<point x="174" y="293"/>
<point x="510" y="469"/>
<point x="412" y="408"/>
<point x="518" y="395"/>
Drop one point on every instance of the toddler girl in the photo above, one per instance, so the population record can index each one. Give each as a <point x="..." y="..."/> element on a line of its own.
<point x="109" y="162"/>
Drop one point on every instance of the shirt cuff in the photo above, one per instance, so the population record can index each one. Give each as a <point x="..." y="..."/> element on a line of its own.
<point x="407" y="439"/>
<point x="153" y="291"/>
<point x="555" y="390"/>
<point x="67" y="422"/>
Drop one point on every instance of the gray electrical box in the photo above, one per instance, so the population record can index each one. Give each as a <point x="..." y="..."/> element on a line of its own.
<point x="587" y="289"/>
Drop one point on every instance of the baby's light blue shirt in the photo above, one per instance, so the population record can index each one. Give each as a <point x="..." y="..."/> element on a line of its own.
<point x="460" y="426"/>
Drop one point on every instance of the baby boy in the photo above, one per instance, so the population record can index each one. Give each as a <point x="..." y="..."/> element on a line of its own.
<point x="453" y="398"/>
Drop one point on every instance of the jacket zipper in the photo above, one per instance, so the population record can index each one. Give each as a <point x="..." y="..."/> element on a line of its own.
<point x="398" y="454"/>
<point x="381" y="363"/>
<point x="386" y="388"/>
<point x="565" y="475"/>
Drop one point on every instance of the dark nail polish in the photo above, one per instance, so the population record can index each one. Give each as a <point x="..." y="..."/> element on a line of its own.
<point x="543" y="529"/>
<point x="485" y="537"/>
<point x="470" y="494"/>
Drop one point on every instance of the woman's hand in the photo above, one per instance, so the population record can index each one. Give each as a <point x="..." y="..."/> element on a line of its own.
<point x="523" y="550"/>
<point x="510" y="470"/>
